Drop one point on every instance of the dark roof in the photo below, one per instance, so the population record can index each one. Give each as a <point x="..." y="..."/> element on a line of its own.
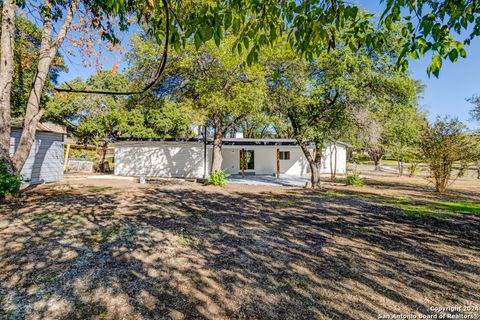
<point x="226" y="141"/>
<point x="122" y="139"/>
<point x="259" y="142"/>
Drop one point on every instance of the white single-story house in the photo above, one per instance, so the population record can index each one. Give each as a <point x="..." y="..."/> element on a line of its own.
<point x="46" y="159"/>
<point x="192" y="157"/>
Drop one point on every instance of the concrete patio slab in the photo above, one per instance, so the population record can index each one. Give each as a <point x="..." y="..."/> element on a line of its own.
<point x="267" y="180"/>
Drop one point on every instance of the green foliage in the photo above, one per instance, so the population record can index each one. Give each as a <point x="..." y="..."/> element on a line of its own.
<point x="93" y="118"/>
<point x="432" y="26"/>
<point x="217" y="178"/>
<point x="359" y="158"/>
<point x="83" y="153"/>
<point x="442" y="144"/>
<point x="313" y="25"/>
<point x="9" y="184"/>
<point x="26" y="55"/>
<point x="354" y="180"/>
<point x="403" y="124"/>
<point x="429" y="209"/>
<point x="475" y="112"/>
<point x="418" y="208"/>
<point x="413" y="170"/>
<point x="216" y="83"/>
<point x="321" y="99"/>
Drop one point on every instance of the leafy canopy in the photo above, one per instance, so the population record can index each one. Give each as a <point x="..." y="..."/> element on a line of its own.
<point x="434" y="26"/>
<point x="311" y="26"/>
<point x="94" y="118"/>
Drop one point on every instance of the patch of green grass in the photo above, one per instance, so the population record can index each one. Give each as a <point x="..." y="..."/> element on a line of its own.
<point x="461" y="206"/>
<point x="293" y="200"/>
<point x="425" y="210"/>
<point x="103" y="314"/>
<point x="430" y="209"/>
<point x="48" y="279"/>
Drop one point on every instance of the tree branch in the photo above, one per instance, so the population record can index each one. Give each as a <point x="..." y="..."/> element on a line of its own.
<point x="232" y="124"/>
<point x="158" y="74"/>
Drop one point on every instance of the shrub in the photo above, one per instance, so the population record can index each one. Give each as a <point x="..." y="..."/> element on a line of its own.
<point x="354" y="180"/>
<point x="9" y="184"/>
<point x="443" y="144"/>
<point x="413" y="170"/>
<point x="359" y="157"/>
<point x="217" y="178"/>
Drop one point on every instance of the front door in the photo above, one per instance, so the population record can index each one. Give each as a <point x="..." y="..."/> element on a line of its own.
<point x="248" y="161"/>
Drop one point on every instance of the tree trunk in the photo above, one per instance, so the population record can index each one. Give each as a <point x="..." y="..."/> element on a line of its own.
<point x="217" y="143"/>
<point x="315" y="176"/>
<point x="103" y="155"/>
<point x="376" y="161"/>
<point x="48" y="50"/>
<point x="478" y="169"/>
<point x="314" y="161"/>
<point x="333" y="164"/>
<point x="6" y="77"/>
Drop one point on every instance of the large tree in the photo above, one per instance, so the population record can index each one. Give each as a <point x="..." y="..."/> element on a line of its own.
<point x="402" y="133"/>
<point x="315" y="97"/>
<point x="321" y="97"/>
<point x="391" y="125"/>
<point x="56" y="17"/>
<point x="475" y="112"/>
<point x="216" y="85"/>
<point x="96" y="119"/>
<point x="27" y="44"/>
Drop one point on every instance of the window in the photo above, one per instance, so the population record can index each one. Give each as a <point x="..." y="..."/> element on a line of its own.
<point x="284" y="155"/>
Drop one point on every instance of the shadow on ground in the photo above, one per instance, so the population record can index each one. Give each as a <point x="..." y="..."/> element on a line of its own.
<point x="181" y="253"/>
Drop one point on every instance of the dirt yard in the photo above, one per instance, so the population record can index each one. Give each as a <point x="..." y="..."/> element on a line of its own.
<point x="114" y="249"/>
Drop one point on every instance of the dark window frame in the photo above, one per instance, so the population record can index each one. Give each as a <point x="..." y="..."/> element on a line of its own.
<point x="284" y="155"/>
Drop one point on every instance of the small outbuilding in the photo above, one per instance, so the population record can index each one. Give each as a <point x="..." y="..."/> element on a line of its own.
<point x="46" y="159"/>
<point x="192" y="157"/>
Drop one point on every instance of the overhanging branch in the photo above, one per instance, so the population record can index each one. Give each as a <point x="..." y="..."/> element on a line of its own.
<point x="157" y="77"/>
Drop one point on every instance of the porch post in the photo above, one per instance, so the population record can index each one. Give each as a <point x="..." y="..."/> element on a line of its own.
<point x="242" y="162"/>
<point x="278" y="163"/>
<point x="205" y="151"/>
<point x="65" y="161"/>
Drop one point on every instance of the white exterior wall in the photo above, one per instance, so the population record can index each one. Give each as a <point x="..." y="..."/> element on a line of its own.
<point x="160" y="159"/>
<point x="265" y="160"/>
<point x="330" y="154"/>
<point x="45" y="160"/>
<point x="172" y="159"/>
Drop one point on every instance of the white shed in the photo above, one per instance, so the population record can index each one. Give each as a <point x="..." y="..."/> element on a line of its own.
<point x="192" y="158"/>
<point x="45" y="161"/>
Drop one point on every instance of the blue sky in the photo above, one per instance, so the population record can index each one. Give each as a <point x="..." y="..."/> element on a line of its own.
<point x="443" y="96"/>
